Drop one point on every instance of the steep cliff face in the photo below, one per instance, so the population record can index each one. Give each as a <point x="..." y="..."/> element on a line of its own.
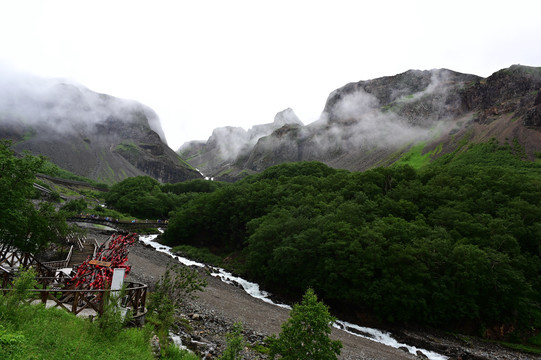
<point x="372" y="123"/>
<point x="225" y="153"/>
<point x="93" y="135"/>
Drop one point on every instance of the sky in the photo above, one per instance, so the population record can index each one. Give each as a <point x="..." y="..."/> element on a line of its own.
<point x="206" y="64"/>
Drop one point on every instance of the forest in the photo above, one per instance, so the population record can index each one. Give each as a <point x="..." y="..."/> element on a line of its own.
<point x="455" y="244"/>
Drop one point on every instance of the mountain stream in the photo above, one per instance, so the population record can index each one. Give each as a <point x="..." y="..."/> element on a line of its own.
<point x="254" y="290"/>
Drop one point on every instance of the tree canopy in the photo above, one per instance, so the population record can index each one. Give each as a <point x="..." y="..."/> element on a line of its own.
<point x="455" y="242"/>
<point x="305" y="335"/>
<point x="145" y="197"/>
<point x="25" y="225"/>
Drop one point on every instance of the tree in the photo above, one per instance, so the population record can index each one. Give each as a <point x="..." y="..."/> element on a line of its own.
<point x="24" y="225"/>
<point x="305" y="335"/>
<point x="177" y="284"/>
<point x="235" y="343"/>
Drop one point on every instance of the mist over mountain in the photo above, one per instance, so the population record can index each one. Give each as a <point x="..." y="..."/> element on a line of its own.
<point x="375" y="122"/>
<point x="228" y="144"/>
<point x="90" y="134"/>
<point x="362" y="125"/>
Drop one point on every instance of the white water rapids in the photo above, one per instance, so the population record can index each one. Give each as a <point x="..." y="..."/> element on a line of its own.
<point x="253" y="290"/>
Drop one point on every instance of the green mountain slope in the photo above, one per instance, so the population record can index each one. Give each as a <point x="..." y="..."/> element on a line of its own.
<point x="93" y="135"/>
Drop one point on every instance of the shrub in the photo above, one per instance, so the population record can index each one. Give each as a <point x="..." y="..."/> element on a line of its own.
<point x="305" y="335"/>
<point x="235" y="343"/>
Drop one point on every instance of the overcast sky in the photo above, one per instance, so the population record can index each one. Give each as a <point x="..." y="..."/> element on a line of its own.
<point x="205" y="64"/>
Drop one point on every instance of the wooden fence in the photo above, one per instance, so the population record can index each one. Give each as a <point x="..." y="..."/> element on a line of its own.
<point x="53" y="293"/>
<point x="55" y="289"/>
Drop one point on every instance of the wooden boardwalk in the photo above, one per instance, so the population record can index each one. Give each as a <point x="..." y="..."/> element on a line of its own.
<point x="121" y="224"/>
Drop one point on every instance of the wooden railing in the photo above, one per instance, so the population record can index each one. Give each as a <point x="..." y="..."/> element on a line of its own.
<point x="55" y="289"/>
<point x="60" y="264"/>
<point x="77" y="300"/>
<point x="120" y="224"/>
<point x="16" y="259"/>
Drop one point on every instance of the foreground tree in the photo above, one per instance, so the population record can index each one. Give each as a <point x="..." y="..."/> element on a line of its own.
<point x="24" y="225"/>
<point x="305" y="335"/>
<point x="176" y="285"/>
<point x="235" y="343"/>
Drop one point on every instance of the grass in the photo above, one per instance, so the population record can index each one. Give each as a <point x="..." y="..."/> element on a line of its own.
<point x="98" y="210"/>
<point x="225" y="172"/>
<point x="127" y="147"/>
<point x="56" y="334"/>
<point x="185" y="163"/>
<point x="415" y="157"/>
<point x="53" y="170"/>
<point x="28" y="134"/>
<point x="528" y="348"/>
<point x="33" y="332"/>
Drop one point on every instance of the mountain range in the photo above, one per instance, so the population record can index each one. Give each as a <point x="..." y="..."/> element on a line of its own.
<point x="379" y="122"/>
<point x="97" y="136"/>
<point x="363" y="124"/>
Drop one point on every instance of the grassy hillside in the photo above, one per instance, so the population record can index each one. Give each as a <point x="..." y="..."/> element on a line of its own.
<point x="33" y="332"/>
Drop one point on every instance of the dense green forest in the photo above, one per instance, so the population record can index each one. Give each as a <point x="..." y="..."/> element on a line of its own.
<point x="456" y="242"/>
<point x="145" y="197"/>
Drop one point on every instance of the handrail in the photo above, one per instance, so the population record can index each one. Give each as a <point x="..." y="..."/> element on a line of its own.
<point x="133" y="286"/>
<point x="59" y="264"/>
<point x="116" y="221"/>
<point x="80" y="244"/>
<point x="25" y="259"/>
<point x="96" y="247"/>
<point x="76" y="300"/>
<point x="68" y="258"/>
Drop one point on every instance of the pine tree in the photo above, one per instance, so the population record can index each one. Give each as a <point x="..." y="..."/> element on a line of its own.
<point x="305" y="335"/>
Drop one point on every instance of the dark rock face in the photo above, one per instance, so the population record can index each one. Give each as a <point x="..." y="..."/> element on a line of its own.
<point x="93" y="135"/>
<point x="532" y="118"/>
<point x="371" y="123"/>
<point x="282" y="145"/>
<point x="509" y="90"/>
<point x="417" y="94"/>
<point x="504" y="86"/>
<point x="226" y="154"/>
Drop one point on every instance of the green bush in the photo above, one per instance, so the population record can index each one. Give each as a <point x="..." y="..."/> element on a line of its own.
<point x="177" y="284"/>
<point x="235" y="343"/>
<point x="305" y="335"/>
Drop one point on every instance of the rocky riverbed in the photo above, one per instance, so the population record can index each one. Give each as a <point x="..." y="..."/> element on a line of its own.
<point x="207" y="319"/>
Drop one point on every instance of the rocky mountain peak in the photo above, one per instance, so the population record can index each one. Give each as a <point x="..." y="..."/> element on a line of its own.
<point x="286" y="117"/>
<point x="395" y="91"/>
<point x="372" y="122"/>
<point x="90" y="134"/>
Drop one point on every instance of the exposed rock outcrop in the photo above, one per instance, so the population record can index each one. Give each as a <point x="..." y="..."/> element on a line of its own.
<point x="371" y="123"/>
<point x="227" y="150"/>
<point x="93" y="135"/>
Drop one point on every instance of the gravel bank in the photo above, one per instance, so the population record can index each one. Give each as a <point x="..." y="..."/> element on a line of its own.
<point x="220" y="305"/>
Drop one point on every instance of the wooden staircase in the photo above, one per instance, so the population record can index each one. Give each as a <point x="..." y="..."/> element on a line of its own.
<point x="81" y="254"/>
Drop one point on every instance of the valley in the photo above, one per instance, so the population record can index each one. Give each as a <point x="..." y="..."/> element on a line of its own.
<point x="413" y="204"/>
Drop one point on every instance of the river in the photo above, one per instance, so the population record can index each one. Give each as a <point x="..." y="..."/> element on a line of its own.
<point x="255" y="291"/>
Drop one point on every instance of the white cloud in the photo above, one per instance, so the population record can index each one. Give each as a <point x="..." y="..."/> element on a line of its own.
<point x="205" y="64"/>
